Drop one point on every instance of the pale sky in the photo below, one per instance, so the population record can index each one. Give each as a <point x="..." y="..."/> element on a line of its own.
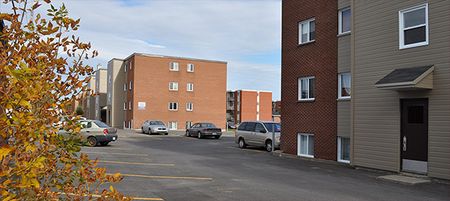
<point x="245" y="33"/>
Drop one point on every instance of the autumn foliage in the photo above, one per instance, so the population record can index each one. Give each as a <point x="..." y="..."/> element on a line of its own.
<point x="41" y="69"/>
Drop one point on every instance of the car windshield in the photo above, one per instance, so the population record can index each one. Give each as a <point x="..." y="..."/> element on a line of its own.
<point x="208" y="125"/>
<point x="101" y="124"/>
<point x="157" y="123"/>
<point x="276" y="125"/>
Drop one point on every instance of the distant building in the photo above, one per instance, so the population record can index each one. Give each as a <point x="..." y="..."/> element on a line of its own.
<point x="93" y="102"/>
<point x="249" y="105"/>
<point x="276" y="111"/>
<point x="178" y="91"/>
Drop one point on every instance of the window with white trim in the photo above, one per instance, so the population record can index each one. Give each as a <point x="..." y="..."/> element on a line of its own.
<point x="125" y="87"/>
<point x="344" y="85"/>
<point x="305" y="143"/>
<point x="306" y="31"/>
<point x="190" y="68"/>
<point x="124" y="106"/>
<point x="345" y="21"/>
<point x="174" y="66"/>
<point x="306" y="88"/>
<point x="125" y="68"/>
<point x="190" y="87"/>
<point x="131" y="65"/>
<point x="131" y="85"/>
<point x="189" y="106"/>
<point x="172" y="125"/>
<point x="173" y="106"/>
<point x="129" y="105"/>
<point x="173" y="86"/>
<point x="344" y="149"/>
<point x="413" y="30"/>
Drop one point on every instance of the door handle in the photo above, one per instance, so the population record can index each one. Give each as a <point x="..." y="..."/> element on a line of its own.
<point x="404" y="143"/>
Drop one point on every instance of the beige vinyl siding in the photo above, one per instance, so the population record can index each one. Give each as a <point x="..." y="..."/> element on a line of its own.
<point x="343" y="3"/>
<point x="376" y="111"/>
<point x="343" y="120"/>
<point x="344" y="53"/>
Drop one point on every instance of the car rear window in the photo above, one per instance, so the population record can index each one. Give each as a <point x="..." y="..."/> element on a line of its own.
<point x="101" y="124"/>
<point x="277" y="127"/>
<point x="157" y="123"/>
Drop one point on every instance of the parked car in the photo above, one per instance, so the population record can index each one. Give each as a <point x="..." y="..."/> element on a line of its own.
<point x="95" y="132"/>
<point x="204" y="129"/>
<point x="154" y="127"/>
<point x="258" y="133"/>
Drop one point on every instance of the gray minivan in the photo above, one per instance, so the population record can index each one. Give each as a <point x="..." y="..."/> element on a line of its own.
<point x="258" y="133"/>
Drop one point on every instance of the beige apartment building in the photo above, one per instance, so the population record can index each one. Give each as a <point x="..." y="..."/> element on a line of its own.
<point x="368" y="83"/>
<point x="178" y="91"/>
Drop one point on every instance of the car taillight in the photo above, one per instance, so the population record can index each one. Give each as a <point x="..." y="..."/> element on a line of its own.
<point x="105" y="131"/>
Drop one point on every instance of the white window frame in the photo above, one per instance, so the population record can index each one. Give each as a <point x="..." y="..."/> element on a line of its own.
<point x="340" y="85"/>
<point x="307" y="144"/>
<point x="339" y="151"/>
<point x="125" y="68"/>
<point x="174" y="66"/>
<point x="124" y="106"/>
<point x="308" y="40"/>
<point x="173" y="86"/>
<point x="190" y="87"/>
<point x="129" y="105"/>
<point x="190" y="68"/>
<point x="189" y="107"/>
<point x="171" y="105"/>
<point x="340" y="32"/>
<point x="300" y="89"/>
<point x="125" y="87"/>
<point x="402" y="29"/>
<point x="130" y="86"/>
<point x="172" y="125"/>
<point x="130" y="66"/>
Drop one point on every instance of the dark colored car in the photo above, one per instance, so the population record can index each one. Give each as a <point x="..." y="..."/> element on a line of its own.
<point x="201" y="130"/>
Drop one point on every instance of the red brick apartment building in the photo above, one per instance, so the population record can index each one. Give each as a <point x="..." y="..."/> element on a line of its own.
<point x="249" y="105"/>
<point x="309" y="77"/>
<point x="178" y="91"/>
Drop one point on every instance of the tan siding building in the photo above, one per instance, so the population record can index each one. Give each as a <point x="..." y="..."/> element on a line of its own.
<point x="178" y="91"/>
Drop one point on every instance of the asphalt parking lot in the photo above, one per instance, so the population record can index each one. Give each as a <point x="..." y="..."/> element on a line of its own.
<point x="175" y="167"/>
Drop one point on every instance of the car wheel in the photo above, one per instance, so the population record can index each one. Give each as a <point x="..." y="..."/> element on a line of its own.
<point x="242" y="144"/>
<point x="217" y="137"/>
<point x="269" y="145"/>
<point x="104" y="143"/>
<point x="142" y="128"/>
<point x="199" y="135"/>
<point x="166" y="133"/>
<point x="188" y="134"/>
<point x="92" y="141"/>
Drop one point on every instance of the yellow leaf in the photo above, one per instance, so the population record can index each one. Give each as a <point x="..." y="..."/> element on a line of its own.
<point x="4" y="151"/>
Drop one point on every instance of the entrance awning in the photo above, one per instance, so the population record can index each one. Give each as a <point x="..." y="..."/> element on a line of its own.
<point x="408" y="78"/>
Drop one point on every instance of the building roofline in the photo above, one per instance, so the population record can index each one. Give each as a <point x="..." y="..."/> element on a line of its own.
<point x="252" y="90"/>
<point x="172" y="57"/>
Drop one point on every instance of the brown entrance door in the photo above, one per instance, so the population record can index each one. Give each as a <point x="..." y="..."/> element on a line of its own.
<point x="414" y="135"/>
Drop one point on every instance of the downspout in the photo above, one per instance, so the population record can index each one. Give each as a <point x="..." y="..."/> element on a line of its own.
<point x="352" y="73"/>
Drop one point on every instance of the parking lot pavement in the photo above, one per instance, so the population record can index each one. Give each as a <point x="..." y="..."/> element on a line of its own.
<point x="175" y="167"/>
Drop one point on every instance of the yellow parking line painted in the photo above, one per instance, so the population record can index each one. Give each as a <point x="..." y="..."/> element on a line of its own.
<point x="135" y="163"/>
<point x="166" y="177"/>
<point x="112" y="153"/>
<point x="134" y="198"/>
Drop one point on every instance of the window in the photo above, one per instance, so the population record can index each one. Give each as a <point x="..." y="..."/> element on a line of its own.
<point x="306" y="31"/>
<point x="125" y="68"/>
<point x="306" y="88"/>
<point x="305" y="145"/>
<point x="125" y="87"/>
<point x="344" y="85"/>
<point x="173" y="86"/>
<point x="190" y="68"/>
<point x="188" y="124"/>
<point x="174" y="66"/>
<point x="250" y="126"/>
<point x="124" y="106"/>
<point x="242" y="126"/>
<point x="131" y="65"/>
<point x="189" y="106"/>
<point x="344" y="149"/>
<point x="260" y="128"/>
<point x="173" y="106"/>
<point x="172" y="125"/>
<point x="129" y="105"/>
<point x="413" y="28"/>
<point x="131" y="85"/>
<point x="345" y="21"/>
<point x="190" y="87"/>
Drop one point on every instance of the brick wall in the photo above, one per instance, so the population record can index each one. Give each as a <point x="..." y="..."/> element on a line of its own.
<point x="317" y="59"/>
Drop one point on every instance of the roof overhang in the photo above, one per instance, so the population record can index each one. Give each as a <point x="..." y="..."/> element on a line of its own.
<point x="408" y="79"/>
